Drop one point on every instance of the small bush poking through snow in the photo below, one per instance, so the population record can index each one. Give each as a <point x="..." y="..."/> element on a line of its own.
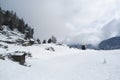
<point x="2" y="57"/>
<point x="3" y="46"/>
<point x="50" y="49"/>
<point x="105" y="61"/>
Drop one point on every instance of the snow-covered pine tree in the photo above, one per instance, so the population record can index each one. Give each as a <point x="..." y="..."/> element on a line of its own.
<point x="54" y="40"/>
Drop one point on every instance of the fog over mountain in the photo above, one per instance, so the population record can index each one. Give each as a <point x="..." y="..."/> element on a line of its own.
<point x="71" y="21"/>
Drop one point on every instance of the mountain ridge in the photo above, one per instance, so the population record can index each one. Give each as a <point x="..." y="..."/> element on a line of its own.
<point x="111" y="43"/>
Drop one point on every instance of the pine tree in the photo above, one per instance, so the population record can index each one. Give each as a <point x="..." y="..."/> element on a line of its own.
<point x="7" y="17"/>
<point x="54" y="40"/>
<point x="83" y="47"/>
<point x="1" y="19"/>
<point x="38" y="40"/>
<point x="44" y="41"/>
<point x="49" y="40"/>
<point x="21" y="25"/>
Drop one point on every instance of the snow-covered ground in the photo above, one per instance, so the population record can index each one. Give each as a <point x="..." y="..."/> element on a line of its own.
<point x="62" y="64"/>
<point x="8" y="35"/>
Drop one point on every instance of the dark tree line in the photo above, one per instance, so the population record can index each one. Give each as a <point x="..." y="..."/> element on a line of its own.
<point x="50" y="40"/>
<point x="10" y="19"/>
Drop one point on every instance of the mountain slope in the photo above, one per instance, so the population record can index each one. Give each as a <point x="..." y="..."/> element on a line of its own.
<point x="7" y="35"/>
<point x="109" y="44"/>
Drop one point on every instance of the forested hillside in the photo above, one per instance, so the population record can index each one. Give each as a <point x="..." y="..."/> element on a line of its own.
<point x="10" y="19"/>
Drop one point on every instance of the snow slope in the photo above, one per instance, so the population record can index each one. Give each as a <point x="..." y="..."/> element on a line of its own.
<point x="63" y="64"/>
<point x="7" y="35"/>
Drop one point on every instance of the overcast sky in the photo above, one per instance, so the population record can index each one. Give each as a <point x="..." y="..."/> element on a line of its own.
<point x="72" y="21"/>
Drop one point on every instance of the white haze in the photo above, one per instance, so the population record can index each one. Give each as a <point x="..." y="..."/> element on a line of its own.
<point x="71" y="21"/>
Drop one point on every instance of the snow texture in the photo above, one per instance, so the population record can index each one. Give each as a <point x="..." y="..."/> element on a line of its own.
<point x="63" y="63"/>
